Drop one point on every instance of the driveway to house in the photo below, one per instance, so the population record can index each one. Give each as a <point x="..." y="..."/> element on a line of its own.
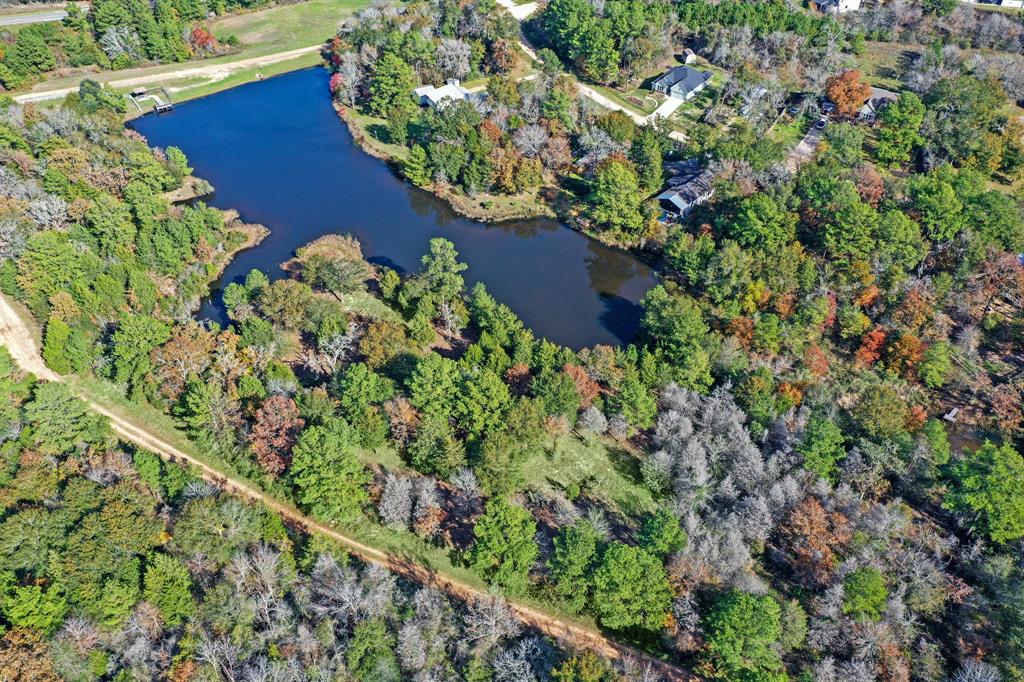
<point x="804" y="150"/>
<point x="667" y="108"/>
<point x="522" y="12"/>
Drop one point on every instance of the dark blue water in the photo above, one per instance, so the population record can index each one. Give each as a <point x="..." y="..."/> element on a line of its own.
<point x="276" y="151"/>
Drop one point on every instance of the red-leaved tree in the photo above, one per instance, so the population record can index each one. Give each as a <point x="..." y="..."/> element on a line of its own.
<point x="274" y="431"/>
<point x="848" y="92"/>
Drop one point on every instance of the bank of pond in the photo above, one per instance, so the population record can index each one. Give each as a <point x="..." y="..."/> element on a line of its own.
<point x="276" y="152"/>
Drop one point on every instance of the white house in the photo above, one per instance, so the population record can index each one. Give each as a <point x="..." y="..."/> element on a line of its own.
<point x="837" y="6"/>
<point x="429" y="96"/>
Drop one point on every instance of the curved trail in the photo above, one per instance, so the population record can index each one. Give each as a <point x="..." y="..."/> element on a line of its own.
<point x="18" y="338"/>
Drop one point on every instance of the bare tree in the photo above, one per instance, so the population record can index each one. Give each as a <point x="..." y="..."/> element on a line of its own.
<point x="119" y="41"/>
<point x="530" y="139"/>
<point x="977" y="671"/>
<point x="489" y="620"/>
<point x="395" y="504"/>
<point x="453" y="57"/>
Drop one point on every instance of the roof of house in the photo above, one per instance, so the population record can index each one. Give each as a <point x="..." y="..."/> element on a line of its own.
<point x="450" y="90"/>
<point x="686" y="76"/>
<point x="687" y="187"/>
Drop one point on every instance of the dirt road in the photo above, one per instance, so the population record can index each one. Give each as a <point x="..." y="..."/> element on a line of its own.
<point x="213" y="72"/>
<point x="18" y="338"/>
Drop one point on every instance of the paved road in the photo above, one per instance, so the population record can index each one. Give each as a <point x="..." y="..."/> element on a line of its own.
<point x="32" y="17"/>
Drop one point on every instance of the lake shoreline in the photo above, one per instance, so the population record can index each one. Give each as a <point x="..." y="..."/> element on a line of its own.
<point x="458" y="202"/>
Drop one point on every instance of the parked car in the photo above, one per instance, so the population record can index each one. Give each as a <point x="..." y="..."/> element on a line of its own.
<point x="794" y="110"/>
<point x="822" y="122"/>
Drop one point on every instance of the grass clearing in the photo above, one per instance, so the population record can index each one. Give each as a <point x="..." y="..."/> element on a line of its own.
<point x="286" y="27"/>
<point x="600" y="468"/>
<point x="789" y="131"/>
<point x="883" y="64"/>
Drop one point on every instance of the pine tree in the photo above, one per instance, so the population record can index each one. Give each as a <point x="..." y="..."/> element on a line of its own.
<point x="416" y="167"/>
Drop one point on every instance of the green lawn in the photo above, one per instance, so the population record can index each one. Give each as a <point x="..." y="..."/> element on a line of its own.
<point x="601" y="469"/>
<point x="287" y="27"/>
<point x="789" y="130"/>
<point x="639" y="100"/>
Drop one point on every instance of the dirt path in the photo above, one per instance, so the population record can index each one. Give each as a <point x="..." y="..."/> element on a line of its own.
<point x="18" y="338"/>
<point x="214" y="72"/>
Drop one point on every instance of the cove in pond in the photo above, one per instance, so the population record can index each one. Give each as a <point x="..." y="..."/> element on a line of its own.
<point x="276" y="151"/>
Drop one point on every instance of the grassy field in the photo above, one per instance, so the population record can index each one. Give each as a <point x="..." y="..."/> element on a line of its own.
<point x="599" y="469"/>
<point x="883" y="64"/>
<point x="287" y="27"/>
<point x="789" y="130"/>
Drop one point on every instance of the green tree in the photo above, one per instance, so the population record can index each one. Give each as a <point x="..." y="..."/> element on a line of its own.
<point x="743" y="632"/>
<point x="60" y="421"/>
<point x="636" y="402"/>
<point x="482" y="404"/>
<point x="935" y="201"/>
<point x="901" y="129"/>
<point x="371" y="652"/>
<point x="864" y="594"/>
<point x="134" y="340"/>
<point x="631" y="589"/>
<point x="55" y="345"/>
<point x="763" y="222"/>
<point x="936" y="364"/>
<point x="662" y="534"/>
<point x="417" y="167"/>
<point x="504" y="550"/>
<point x="442" y="272"/>
<point x="435" y="449"/>
<point x="433" y="384"/>
<point x="675" y="322"/>
<point x="822" y="447"/>
<point x="571" y="564"/>
<point x="391" y="86"/>
<point x="900" y="242"/>
<point x="325" y="468"/>
<point x="646" y="155"/>
<point x="988" y="487"/>
<point x="167" y="586"/>
<point x="33" y="607"/>
<point x="616" y="198"/>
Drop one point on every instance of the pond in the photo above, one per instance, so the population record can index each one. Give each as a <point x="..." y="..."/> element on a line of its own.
<point x="276" y="151"/>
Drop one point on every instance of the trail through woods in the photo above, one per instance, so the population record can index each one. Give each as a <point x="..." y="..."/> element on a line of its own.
<point x="17" y="336"/>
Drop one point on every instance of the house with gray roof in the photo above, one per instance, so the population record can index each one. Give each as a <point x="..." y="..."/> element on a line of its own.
<point x="688" y="186"/>
<point x="682" y="82"/>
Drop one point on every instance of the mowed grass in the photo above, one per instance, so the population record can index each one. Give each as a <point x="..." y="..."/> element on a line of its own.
<point x="286" y="27"/>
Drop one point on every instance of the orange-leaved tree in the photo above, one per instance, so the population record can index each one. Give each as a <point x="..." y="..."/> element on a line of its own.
<point x="848" y="92"/>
